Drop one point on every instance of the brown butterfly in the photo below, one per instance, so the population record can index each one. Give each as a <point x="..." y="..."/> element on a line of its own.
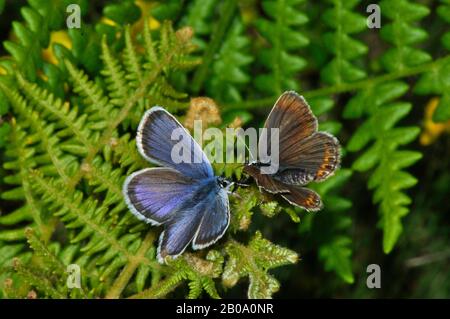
<point x="305" y="155"/>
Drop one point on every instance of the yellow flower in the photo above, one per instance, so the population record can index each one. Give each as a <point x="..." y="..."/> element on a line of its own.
<point x="431" y="130"/>
<point x="146" y="8"/>
<point x="108" y="21"/>
<point x="63" y="38"/>
<point x="56" y="37"/>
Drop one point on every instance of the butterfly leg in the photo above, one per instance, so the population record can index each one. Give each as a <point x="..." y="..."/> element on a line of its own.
<point x="235" y="194"/>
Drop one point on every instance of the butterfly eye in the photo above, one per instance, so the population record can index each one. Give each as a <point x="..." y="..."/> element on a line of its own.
<point x="223" y="182"/>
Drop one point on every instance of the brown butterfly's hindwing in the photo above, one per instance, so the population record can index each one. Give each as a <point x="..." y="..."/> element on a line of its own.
<point x="264" y="181"/>
<point x="303" y="197"/>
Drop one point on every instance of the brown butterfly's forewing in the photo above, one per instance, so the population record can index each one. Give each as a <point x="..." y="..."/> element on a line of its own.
<point x="305" y="155"/>
<point x="293" y="117"/>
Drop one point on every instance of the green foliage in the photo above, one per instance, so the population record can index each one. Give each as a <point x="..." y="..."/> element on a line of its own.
<point x="122" y="13"/>
<point x="438" y="81"/>
<point x="377" y="102"/>
<point x="253" y="261"/>
<point x="282" y="32"/>
<point x="198" y="272"/>
<point x="199" y="16"/>
<point x="336" y="250"/>
<point x="68" y="117"/>
<point x="344" y="49"/>
<point x="229" y="72"/>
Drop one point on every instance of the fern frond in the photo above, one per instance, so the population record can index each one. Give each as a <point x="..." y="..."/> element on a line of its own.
<point x="241" y="218"/>
<point x="254" y="261"/>
<point x="403" y="33"/>
<point x="229" y="74"/>
<point x="199" y="17"/>
<point x="198" y="272"/>
<point x="20" y="160"/>
<point x="281" y="32"/>
<point x="227" y="10"/>
<point x="97" y="105"/>
<point x="51" y="261"/>
<point x="437" y="81"/>
<point x="58" y="163"/>
<point x="389" y="180"/>
<point x="88" y="218"/>
<point x="345" y="49"/>
<point x="31" y="39"/>
<point x="47" y="270"/>
<point x="132" y="61"/>
<point x="336" y="250"/>
<point x="56" y="110"/>
<point x="8" y="252"/>
<point x="114" y="76"/>
<point x="38" y="280"/>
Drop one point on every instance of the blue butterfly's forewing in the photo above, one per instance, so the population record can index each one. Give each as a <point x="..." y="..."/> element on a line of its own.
<point x="155" y="143"/>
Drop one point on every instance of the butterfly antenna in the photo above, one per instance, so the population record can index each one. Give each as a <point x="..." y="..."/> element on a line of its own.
<point x="248" y="149"/>
<point x="229" y="186"/>
<point x="241" y="184"/>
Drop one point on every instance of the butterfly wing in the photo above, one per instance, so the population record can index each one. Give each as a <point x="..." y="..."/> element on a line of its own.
<point x="294" y="119"/>
<point x="304" y="154"/>
<point x="185" y="196"/>
<point x="154" y="194"/>
<point x="179" y="233"/>
<point x="201" y="222"/>
<point x="264" y="181"/>
<point x="214" y="223"/>
<point x="296" y="195"/>
<point x="303" y="197"/>
<point x="155" y="143"/>
<point x="312" y="159"/>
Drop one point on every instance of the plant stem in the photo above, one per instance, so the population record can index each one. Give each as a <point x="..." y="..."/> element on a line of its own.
<point x="214" y="45"/>
<point x="343" y="87"/>
<point x="128" y="271"/>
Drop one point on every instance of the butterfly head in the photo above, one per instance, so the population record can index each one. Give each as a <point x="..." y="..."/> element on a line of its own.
<point x="223" y="182"/>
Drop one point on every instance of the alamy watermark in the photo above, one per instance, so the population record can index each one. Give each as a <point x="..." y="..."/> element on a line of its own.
<point x="74" y="276"/>
<point x="221" y="149"/>
<point x="73" y="20"/>
<point x="374" y="279"/>
<point x="374" y="19"/>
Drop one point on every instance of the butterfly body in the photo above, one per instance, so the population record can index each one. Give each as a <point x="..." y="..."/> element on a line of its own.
<point x="305" y="155"/>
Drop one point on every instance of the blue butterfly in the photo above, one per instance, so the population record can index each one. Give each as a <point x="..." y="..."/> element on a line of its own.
<point x="186" y="197"/>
